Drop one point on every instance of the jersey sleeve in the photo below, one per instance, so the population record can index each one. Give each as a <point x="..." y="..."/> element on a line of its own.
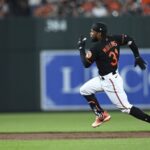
<point x="93" y="51"/>
<point x="124" y="39"/>
<point x="87" y="57"/>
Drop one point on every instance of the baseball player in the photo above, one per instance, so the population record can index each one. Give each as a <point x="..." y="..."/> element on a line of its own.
<point x="105" y="53"/>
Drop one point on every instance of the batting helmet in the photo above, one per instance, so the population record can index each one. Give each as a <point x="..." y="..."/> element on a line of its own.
<point x="100" y="27"/>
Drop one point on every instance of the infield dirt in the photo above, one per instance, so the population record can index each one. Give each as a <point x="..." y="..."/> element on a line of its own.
<point x="73" y="135"/>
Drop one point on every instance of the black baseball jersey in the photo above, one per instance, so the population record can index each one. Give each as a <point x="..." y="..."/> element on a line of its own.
<point x="105" y="53"/>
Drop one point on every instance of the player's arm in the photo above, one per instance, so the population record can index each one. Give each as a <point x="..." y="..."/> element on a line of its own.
<point x="127" y="40"/>
<point x="85" y="56"/>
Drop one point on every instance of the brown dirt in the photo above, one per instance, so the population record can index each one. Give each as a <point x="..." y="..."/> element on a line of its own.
<point x="73" y="135"/>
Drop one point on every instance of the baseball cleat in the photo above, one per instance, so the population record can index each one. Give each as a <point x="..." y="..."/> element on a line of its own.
<point x="99" y="120"/>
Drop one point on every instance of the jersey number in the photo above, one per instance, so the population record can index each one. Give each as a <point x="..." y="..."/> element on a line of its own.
<point x="114" y="56"/>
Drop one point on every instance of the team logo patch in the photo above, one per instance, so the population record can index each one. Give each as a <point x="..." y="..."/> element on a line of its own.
<point x="88" y="54"/>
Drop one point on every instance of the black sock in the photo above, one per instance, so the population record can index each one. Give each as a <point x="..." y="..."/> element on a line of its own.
<point x="137" y="113"/>
<point x="94" y="104"/>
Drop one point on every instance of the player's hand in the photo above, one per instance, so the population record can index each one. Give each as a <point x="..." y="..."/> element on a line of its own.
<point x="81" y="42"/>
<point x="140" y="62"/>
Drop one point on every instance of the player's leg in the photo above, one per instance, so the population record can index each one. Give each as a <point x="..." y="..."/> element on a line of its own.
<point x="117" y="95"/>
<point x="88" y="90"/>
<point x="94" y="104"/>
<point x="139" y="114"/>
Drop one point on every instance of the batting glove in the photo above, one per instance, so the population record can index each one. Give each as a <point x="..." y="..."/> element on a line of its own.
<point x="81" y="42"/>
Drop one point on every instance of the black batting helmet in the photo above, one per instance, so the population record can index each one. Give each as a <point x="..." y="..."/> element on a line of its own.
<point x="100" y="27"/>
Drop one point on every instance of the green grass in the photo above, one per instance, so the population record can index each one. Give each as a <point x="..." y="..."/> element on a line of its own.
<point x="106" y="144"/>
<point x="55" y="122"/>
<point x="69" y="122"/>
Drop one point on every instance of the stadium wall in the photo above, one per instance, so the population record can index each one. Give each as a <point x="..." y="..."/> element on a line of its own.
<point x="22" y="39"/>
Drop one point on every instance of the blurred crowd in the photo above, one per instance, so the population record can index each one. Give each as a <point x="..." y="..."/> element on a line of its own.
<point x="73" y="8"/>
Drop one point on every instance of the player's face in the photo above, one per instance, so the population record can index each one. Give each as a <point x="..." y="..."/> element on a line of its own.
<point x="94" y="35"/>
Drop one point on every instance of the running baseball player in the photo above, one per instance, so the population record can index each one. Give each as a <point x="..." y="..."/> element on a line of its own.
<point x="105" y="53"/>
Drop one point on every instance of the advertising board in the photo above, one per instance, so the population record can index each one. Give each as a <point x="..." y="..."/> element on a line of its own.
<point x="62" y="74"/>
